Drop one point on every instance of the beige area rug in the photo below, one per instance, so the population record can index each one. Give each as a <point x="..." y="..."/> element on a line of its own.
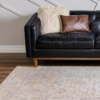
<point x="52" y="83"/>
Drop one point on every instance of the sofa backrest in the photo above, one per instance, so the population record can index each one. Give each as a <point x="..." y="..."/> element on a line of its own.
<point x="94" y="19"/>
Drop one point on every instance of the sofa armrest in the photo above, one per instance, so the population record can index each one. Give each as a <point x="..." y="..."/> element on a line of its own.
<point x="35" y="32"/>
<point x="32" y="31"/>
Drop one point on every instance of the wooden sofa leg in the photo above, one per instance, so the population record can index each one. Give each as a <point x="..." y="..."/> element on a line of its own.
<point x="35" y="62"/>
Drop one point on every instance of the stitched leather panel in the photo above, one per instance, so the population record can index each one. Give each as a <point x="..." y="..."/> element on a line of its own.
<point x="32" y="31"/>
<point x="28" y="35"/>
<point x="68" y="40"/>
<point x="97" y="41"/>
<point x="67" y="53"/>
<point x="95" y="27"/>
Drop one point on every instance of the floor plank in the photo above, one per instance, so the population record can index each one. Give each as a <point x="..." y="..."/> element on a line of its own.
<point x="8" y="61"/>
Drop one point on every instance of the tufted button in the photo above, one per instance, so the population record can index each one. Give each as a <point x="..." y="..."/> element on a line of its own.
<point x="92" y="18"/>
<point x="98" y="17"/>
<point x="95" y="27"/>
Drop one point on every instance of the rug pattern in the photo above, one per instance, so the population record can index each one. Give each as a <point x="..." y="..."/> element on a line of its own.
<point x="52" y="83"/>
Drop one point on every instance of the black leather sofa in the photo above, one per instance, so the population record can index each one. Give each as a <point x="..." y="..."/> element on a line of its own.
<point x="58" y="46"/>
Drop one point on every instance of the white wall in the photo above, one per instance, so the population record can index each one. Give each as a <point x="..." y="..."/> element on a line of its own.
<point x="15" y="13"/>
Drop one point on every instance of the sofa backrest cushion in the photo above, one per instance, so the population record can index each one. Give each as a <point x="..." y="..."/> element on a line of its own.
<point x="94" y="18"/>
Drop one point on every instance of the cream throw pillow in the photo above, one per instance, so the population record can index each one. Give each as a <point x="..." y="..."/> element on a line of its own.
<point x="50" y="18"/>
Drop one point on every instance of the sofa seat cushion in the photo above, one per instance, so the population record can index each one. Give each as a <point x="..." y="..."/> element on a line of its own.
<point x="97" y="41"/>
<point x="68" y="40"/>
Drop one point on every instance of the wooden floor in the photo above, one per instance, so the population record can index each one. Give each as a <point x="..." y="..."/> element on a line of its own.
<point x="9" y="61"/>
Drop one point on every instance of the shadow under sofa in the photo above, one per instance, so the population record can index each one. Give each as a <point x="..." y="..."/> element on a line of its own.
<point x="68" y="46"/>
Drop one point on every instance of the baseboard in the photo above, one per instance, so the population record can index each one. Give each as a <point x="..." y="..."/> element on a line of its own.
<point x="12" y="49"/>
